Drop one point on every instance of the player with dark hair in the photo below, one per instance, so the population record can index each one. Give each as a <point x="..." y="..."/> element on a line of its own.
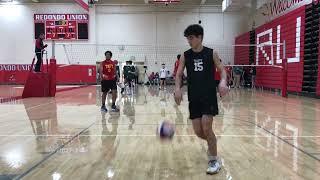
<point x="176" y="65"/>
<point x="201" y="63"/>
<point x="129" y="74"/>
<point x="109" y="81"/>
<point x="163" y="76"/>
<point x="39" y="48"/>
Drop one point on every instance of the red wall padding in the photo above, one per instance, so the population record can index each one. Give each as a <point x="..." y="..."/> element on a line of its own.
<point x="272" y="77"/>
<point x="67" y="74"/>
<point x="242" y="52"/>
<point x="76" y="74"/>
<point x="13" y="73"/>
<point x="269" y="77"/>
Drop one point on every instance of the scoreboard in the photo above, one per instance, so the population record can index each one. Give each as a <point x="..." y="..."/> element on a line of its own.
<point x="62" y="26"/>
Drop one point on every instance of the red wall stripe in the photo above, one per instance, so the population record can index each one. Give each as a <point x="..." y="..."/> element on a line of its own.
<point x="271" y="78"/>
<point x="71" y="74"/>
<point x="242" y="52"/>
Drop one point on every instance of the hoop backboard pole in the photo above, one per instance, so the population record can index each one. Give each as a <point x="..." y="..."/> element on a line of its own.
<point x="53" y="71"/>
<point x="284" y="87"/>
<point x="53" y="50"/>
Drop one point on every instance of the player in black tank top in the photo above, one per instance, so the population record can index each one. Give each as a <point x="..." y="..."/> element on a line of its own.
<point x="201" y="63"/>
<point x="200" y="77"/>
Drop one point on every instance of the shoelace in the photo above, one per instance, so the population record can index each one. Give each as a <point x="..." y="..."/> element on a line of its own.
<point x="212" y="163"/>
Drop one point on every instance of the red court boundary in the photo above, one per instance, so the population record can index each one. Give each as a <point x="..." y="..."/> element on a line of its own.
<point x="14" y="98"/>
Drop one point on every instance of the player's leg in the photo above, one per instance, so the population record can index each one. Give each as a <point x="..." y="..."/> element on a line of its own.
<point x="197" y="128"/>
<point x="126" y="85"/>
<point x="114" y="96"/>
<point x="123" y="85"/>
<point x="214" y="164"/>
<point x="253" y="81"/>
<point x="206" y="124"/>
<point x="195" y="116"/>
<point x="209" y="110"/>
<point x="237" y="84"/>
<point x="129" y="92"/>
<point x="104" y="90"/>
<point x="162" y="83"/>
<point x="38" y="63"/>
<point x="136" y="79"/>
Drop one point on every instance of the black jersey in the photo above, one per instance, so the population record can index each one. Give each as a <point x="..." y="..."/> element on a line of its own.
<point x="200" y="75"/>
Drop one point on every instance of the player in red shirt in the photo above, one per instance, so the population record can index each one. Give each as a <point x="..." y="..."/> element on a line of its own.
<point x="217" y="76"/>
<point x="39" y="48"/>
<point x="176" y="65"/>
<point x="108" y="75"/>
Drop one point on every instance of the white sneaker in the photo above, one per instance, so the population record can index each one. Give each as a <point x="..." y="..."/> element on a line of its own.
<point x="214" y="167"/>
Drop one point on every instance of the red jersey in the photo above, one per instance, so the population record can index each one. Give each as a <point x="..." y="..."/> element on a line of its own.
<point x="228" y="69"/>
<point x="176" y="65"/>
<point x="108" y="70"/>
<point x="217" y="74"/>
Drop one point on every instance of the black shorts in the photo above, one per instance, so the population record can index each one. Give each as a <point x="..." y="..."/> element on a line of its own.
<point x="162" y="79"/>
<point x="199" y="108"/>
<point x="128" y="79"/>
<point x="217" y="83"/>
<point x="107" y="85"/>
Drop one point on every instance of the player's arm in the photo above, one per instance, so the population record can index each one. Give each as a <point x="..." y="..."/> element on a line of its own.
<point x="101" y="71"/>
<point x="114" y="68"/>
<point x="43" y="46"/>
<point x="123" y="72"/>
<point x="219" y="66"/>
<point x="179" y="73"/>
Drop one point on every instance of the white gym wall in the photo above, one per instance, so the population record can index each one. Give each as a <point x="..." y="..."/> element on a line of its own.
<point x="120" y="25"/>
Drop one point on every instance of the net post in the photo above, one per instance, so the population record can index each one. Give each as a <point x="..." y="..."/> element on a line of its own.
<point x="284" y="69"/>
<point x="284" y="78"/>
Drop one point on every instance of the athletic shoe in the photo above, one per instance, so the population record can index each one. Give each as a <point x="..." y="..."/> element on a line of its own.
<point x="115" y="109"/>
<point x="104" y="109"/>
<point x="214" y="166"/>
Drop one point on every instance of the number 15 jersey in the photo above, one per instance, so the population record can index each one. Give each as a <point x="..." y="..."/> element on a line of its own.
<point x="200" y="75"/>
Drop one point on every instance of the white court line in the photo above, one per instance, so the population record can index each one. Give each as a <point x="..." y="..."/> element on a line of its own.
<point x="149" y="135"/>
<point x="60" y="87"/>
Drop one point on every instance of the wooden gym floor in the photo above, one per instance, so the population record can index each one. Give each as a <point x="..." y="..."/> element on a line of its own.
<point x="260" y="136"/>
